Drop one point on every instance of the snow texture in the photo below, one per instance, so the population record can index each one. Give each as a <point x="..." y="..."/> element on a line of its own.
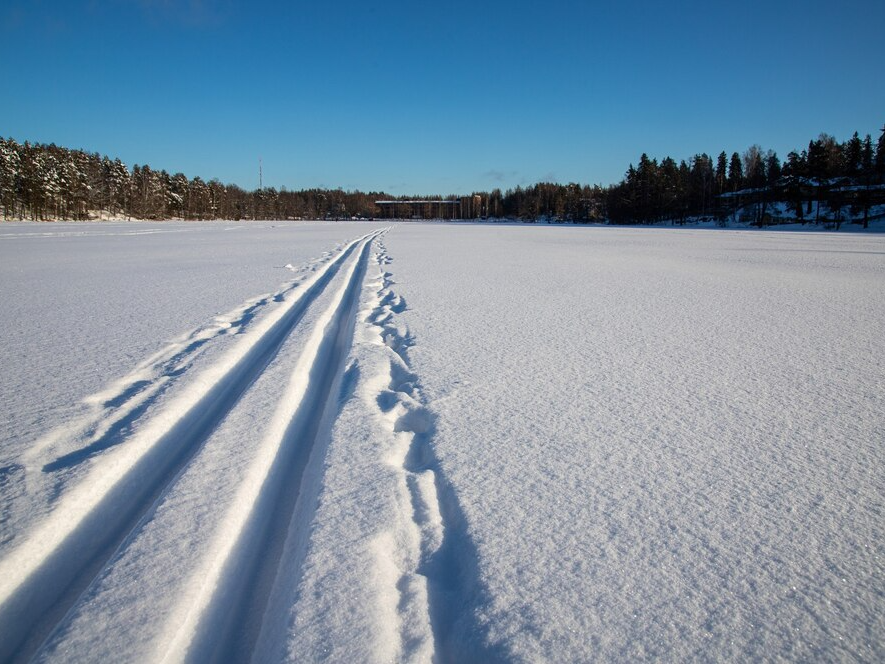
<point x="440" y="442"/>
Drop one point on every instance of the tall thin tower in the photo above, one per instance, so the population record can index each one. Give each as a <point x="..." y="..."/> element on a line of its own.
<point x="260" y="182"/>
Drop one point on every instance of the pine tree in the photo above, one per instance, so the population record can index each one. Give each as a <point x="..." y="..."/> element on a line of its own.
<point x="772" y="168"/>
<point x="867" y="176"/>
<point x="795" y="166"/>
<point x="10" y="167"/>
<point x="866" y="156"/>
<point x="669" y="191"/>
<point x="880" y="157"/>
<point x="853" y="155"/>
<point x="832" y="155"/>
<point x="647" y="177"/>
<point x="754" y="167"/>
<point x="701" y="183"/>
<point x="735" y="172"/>
<point x="721" y="172"/>
<point x="817" y="162"/>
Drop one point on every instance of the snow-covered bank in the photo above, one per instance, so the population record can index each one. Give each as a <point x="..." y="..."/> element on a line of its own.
<point x="449" y="441"/>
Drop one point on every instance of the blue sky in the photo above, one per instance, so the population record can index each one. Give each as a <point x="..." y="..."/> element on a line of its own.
<point x="444" y="97"/>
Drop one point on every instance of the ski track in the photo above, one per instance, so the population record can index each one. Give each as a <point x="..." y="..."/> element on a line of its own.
<point x="439" y="582"/>
<point x="48" y="567"/>
<point x="116" y="408"/>
<point x="233" y="587"/>
<point x="237" y="599"/>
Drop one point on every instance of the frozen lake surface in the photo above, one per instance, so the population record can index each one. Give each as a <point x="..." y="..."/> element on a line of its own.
<point x="415" y="442"/>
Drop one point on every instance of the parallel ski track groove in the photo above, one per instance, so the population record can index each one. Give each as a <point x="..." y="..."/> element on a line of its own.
<point x="41" y="579"/>
<point x="225" y="620"/>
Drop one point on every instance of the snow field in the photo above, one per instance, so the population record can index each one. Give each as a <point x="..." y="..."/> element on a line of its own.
<point x="178" y="542"/>
<point x="393" y="590"/>
<point x="85" y="303"/>
<point x="666" y="444"/>
<point x="53" y="562"/>
<point x="443" y="442"/>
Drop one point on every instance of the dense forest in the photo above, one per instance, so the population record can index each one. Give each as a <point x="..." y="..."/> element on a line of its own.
<point x="843" y="179"/>
<point x="828" y="182"/>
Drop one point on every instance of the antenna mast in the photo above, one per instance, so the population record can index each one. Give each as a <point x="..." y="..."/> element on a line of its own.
<point x="260" y="182"/>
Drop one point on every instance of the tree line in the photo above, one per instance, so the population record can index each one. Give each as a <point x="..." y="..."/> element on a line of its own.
<point x="49" y="182"/>
<point x="40" y="182"/>
<point x="839" y="175"/>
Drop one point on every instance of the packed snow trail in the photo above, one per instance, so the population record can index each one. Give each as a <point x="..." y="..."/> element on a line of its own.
<point x="112" y="410"/>
<point x="234" y="585"/>
<point x="52" y="564"/>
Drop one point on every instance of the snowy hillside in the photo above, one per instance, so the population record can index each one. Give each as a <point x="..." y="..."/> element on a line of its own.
<point x="438" y="442"/>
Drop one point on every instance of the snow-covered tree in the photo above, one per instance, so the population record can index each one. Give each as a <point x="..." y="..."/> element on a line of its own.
<point x="880" y="156"/>
<point x="10" y="170"/>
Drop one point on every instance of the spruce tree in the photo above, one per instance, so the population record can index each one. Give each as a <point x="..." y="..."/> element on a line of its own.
<point x="735" y="172"/>
<point x="853" y="154"/>
<point x="772" y="167"/>
<point x="721" y="172"/>
<point x="880" y="157"/>
<point x="866" y="156"/>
